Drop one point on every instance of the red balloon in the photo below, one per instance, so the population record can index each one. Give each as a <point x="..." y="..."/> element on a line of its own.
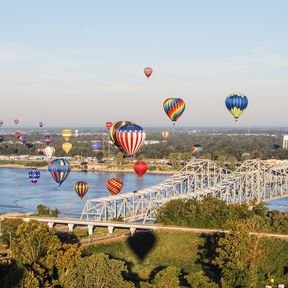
<point x="148" y="72"/>
<point x="114" y="185"/>
<point x="108" y="124"/>
<point x="140" y="168"/>
<point x="17" y="134"/>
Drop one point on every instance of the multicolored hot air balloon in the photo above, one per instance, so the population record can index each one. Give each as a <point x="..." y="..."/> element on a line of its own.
<point x="1" y="122"/>
<point x="40" y="124"/>
<point x="16" y="121"/>
<point x="96" y="145"/>
<point x="1" y="138"/>
<point x="114" y="185"/>
<point x="17" y="134"/>
<point x="165" y="134"/>
<point x="67" y="146"/>
<point x="174" y="107"/>
<point x="67" y="133"/>
<point x="112" y="132"/>
<point x="140" y="168"/>
<point x="148" y="72"/>
<point x="197" y="150"/>
<point x="236" y="104"/>
<point x="81" y="188"/>
<point x="59" y="169"/>
<point x="47" y="139"/>
<point x="23" y="139"/>
<point x="34" y="175"/>
<point x="108" y="124"/>
<point x="49" y="151"/>
<point x="130" y="138"/>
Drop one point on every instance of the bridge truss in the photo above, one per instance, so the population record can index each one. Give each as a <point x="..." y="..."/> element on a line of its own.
<point x="252" y="181"/>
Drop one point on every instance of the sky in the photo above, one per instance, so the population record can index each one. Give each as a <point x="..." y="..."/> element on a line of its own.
<point x="80" y="63"/>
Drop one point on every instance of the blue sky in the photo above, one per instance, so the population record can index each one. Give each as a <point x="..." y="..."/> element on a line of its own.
<point x="70" y="63"/>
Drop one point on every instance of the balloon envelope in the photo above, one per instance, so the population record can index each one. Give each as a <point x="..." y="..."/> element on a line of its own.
<point x="165" y="134"/>
<point x="174" y="107"/>
<point x="96" y="145"/>
<point x="47" y="139"/>
<point x="1" y="122"/>
<point x="34" y="175"/>
<point x="40" y="150"/>
<point x="23" y="139"/>
<point x="67" y="133"/>
<point x="49" y="151"/>
<point x="112" y="132"/>
<point x="67" y="146"/>
<point x="41" y="124"/>
<point x="236" y="104"/>
<point x="16" y="121"/>
<point x="1" y="138"/>
<point x="17" y="134"/>
<point x="148" y="71"/>
<point x="81" y="188"/>
<point x="140" y="168"/>
<point x="197" y="150"/>
<point x="59" y="169"/>
<point x="131" y="138"/>
<point x="114" y="185"/>
<point x="108" y="124"/>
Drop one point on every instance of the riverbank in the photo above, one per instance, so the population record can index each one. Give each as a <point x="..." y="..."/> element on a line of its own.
<point x="94" y="168"/>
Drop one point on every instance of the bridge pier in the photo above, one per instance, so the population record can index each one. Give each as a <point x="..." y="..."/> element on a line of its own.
<point x="70" y="227"/>
<point x="50" y="224"/>
<point x="110" y="230"/>
<point x="90" y="229"/>
<point x="132" y="231"/>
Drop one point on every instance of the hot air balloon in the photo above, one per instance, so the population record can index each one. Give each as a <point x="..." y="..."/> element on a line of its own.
<point x="112" y="132"/>
<point x="16" y="121"/>
<point x="47" y="139"/>
<point x="40" y="150"/>
<point x="114" y="185"/>
<point x="165" y="134"/>
<point x="174" y="107"/>
<point x="236" y="104"/>
<point x="67" y="133"/>
<point x="197" y="150"/>
<point x="23" y="139"/>
<point x="96" y="145"/>
<point x="140" y="168"/>
<point x="108" y="124"/>
<point x="17" y="134"/>
<point x="76" y="133"/>
<point x="67" y="146"/>
<point x="148" y="72"/>
<point x="81" y="188"/>
<point x="34" y="175"/>
<point x="1" y="138"/>
<point x="131" y="138"/>
<point x="49" y="151"/>
<point x="59" y="169"/>
<point x="40" y="124"/>
<point x="1" y="123"/>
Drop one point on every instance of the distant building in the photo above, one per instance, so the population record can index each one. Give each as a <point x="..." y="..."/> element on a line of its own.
<point x="285" y="142"/>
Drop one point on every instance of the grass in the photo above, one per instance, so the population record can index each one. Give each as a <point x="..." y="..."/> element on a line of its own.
<point x="161" y="255"/>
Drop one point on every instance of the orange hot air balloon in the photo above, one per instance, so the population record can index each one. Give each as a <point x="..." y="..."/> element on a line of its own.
<point x="114" y="185"/>
<point x="140" y="168"/>
<point x="67" y="146"/>
<point x="165" y="134"/>
<point x="148" y="72"/>
<point x="67" y="133"/>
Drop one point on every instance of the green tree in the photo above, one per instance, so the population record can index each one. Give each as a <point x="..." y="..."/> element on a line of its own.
<point x="29" y="280"/>
<point x="97" y="270"/>
<point x="237" y="256"/>
<point x="32" y="241"/>
<point x="167" y="278"/>
<point x="199" y="280"/>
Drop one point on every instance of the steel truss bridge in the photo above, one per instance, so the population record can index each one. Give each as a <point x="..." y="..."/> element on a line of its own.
<point x="252" y="181"/>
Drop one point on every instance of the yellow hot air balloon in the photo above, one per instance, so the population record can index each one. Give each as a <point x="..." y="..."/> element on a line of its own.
<point x="165" y="134"/>
<point x="67" y="133"/>
<point x="67" y="146"/>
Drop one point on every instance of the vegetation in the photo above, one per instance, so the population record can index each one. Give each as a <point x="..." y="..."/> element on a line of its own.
<point x="43" y="210"/>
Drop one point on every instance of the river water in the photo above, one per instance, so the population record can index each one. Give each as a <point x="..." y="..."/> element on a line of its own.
<point x="17" y="194"/>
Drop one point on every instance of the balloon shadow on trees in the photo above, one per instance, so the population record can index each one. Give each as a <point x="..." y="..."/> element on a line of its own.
<point x="142" y="243"/>
<point x="207" y="253"/>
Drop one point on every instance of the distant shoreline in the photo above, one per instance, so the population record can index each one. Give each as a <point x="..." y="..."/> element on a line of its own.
<point x="97" y="169"/>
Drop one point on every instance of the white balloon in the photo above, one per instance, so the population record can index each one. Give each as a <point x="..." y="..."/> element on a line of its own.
<point x="49" y="151"/>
